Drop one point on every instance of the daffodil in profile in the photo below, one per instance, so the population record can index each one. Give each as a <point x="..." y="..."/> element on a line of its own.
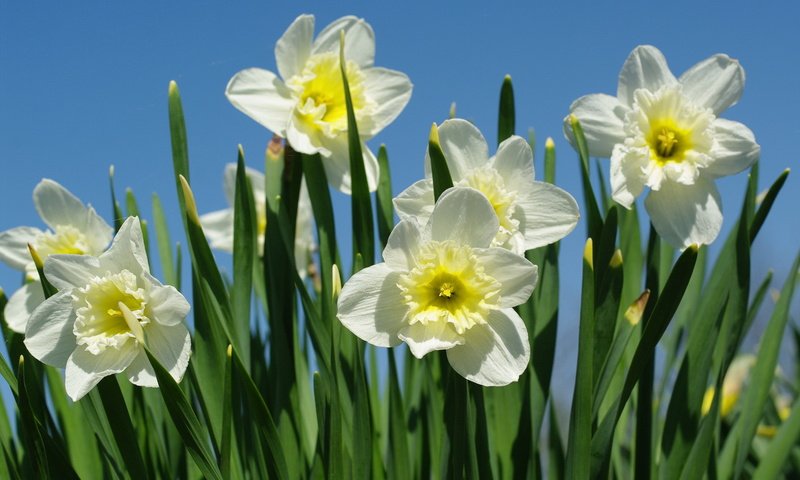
<point x="665" y="134"/>
<point x="106" y="310"/>
<point x="306" y="103"/>
<point x="73" y="228"/>
<point x="442" y="286"/>
<point x="218" y="225"/>
<point x="530" y="214"/>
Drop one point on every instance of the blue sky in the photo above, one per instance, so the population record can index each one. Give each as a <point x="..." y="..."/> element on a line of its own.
<point x="84" y="86"/>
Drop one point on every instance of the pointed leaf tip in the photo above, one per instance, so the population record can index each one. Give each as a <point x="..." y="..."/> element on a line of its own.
<point x="588" y="250"/>
<point x="633" y="314"/>
<point x="188" y="196"/>
<point x="434" y="135"/>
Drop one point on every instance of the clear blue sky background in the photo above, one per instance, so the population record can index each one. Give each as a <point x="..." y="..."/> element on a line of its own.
<point x="84" y="86"/>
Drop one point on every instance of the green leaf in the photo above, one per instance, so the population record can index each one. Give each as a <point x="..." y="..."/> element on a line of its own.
<point x="399" y="463"/>
<point x="164" y="243"/>
<point x="193" y="433"/>
<point x="657" y="323"/>
<point x="383" y="198"/>
<point x="439" y="171"/>
<point x="363" y="236"/>
<point x="593" y="219"/>
<point x="780" y="447"/>
<point x="506" y="117"/>
<point x="245" y="252"/>
<point x="227" y="417"/>
<point x="556" y="457"/>
<point x="115" y="208"/>
<point x="121" y="426"/>
<point x="580" y="423"/>
<point x="757" y="393"/>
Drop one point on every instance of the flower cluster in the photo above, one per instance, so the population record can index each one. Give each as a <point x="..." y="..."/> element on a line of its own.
<point x="108" y="307"/>
<point x="454" y="269"/>
<point x="306" y="104"/>
<point x="664" y="133"/>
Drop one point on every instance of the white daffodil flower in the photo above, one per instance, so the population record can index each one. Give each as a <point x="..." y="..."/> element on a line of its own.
<point x="442" y="287"/>
<point x="664" y="133"/>
<point x="530" y="213"/>
<point x="107" y="308"/>
<point x="218" y="226"/>
<point x="306" y="104"/>
<point x="73" y="228"/>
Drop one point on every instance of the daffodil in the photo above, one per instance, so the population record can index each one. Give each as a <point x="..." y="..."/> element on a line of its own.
<point x="218" y="226"/>
<point x="530" y="213"/>
<point x="106" y="310"/>
<point x="306" y="104"/>
<point x="665" y="134"/>
<point x="73" y="228"/>
<point x="443" y="287"/>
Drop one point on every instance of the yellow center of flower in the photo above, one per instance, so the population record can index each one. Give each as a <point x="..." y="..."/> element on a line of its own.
<point x="448" y="284"/>
<point x="320" y="90"/>
<point x="101" y="311"/>
<point x="668" y="142"/>
<point x="489" y="182"/>
<point x="65" y="240"/>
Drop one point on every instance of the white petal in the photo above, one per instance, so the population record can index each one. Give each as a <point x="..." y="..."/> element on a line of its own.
<point x="734" y="150"/>
<point x="167" y="305"/>
<point x="98" y="232"/>
<point x="390" y="90"/>
<point x="85" y="370"/>
<point x="218" y="227"/>
<point x="548" y="214"/>
<point x="514" y="159"/>
<point x="716" y="83"/>
<point x="58" y="206"/>
<point x="294" y="46"/>
<point x="465" y="215"/>
<point x="48" y="335"/>
<point x="464" y="147"/>
<point x="140" y="372"/>
<point x="172" y="346"/>
<point x="372" y="306"/>
<point x="21" y="304"/>
<point x="646" y="68"/>
<point x="70" y="271"/>
<point x="415" y="201"/>
<point x="627" y="174"/>
<point x="517" y="276"/>
<point x="423" y="339"/>
<point x="127" y="251"/>
<point x="337" y="165"/>
<point x="686" y="214"/>
<point x="601" y="118"/>
<point x="494" y="354"/>
<point x="403" y="244"/>
<point x="304" y="243"/>
<point x="262" y="96"/>
<point x="14" y="246"/>
<point x="359" y="40"/>
<point x="304" y="138"/>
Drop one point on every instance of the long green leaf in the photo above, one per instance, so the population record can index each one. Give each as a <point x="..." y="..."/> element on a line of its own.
<point x="363" y="230"/>
<point x="506" y="117"/>
<point x="580" y="423"/>
<point x="594" y="220"/>
<point x="656" y="325"/>
<point x="439" y="171"/>
<point x="244" y="255"/>
<point x="383" y="198"/>
<point x="757" y="393"/>
<point x="192" y="431"/>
